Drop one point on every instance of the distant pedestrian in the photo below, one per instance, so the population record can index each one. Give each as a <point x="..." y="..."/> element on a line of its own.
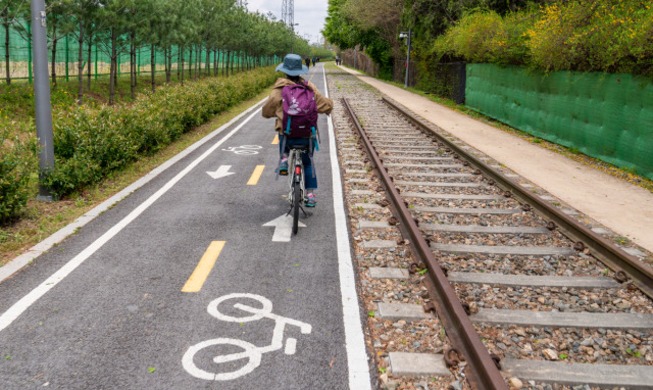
<point x="308" y="62"/>
<point x="338" y="60"/>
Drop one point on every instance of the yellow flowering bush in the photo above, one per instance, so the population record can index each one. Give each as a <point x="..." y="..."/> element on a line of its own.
<point x="582" y="35"/>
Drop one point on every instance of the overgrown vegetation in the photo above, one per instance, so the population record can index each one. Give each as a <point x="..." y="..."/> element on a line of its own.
<point x="605" y="35"/>
<point x="549" y="35"/>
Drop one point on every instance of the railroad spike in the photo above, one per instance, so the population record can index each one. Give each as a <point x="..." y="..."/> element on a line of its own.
<point x="496" y="359"/>
<point x="526" y="207"/>
<point x="579" y="246"/>
<point x="429" y="307"/>
<point x="451" y="357"/>
<point x="467" y="309"/>
<point x="620" y="276"/>
<point x="551" y="225"/>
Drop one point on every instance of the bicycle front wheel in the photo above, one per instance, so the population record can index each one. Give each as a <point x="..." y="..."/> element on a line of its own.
<point x="297" y="195"/>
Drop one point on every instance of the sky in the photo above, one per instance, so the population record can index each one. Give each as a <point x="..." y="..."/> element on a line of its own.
<point x="310" y="14"/>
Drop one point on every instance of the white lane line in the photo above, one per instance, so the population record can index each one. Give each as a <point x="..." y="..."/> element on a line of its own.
<point x="37" y="250"/>
<point x="24" y="303"/>
<point x="357" y="360"/>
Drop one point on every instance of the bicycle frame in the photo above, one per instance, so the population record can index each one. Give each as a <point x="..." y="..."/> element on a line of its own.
<point x="297" y="186"/>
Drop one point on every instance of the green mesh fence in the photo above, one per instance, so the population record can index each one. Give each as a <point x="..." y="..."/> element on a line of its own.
<point x="67" y="56"/>
<point x="607" y="116"/>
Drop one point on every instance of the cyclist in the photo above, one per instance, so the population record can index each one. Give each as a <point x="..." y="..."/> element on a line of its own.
<point x="293" y="67"/>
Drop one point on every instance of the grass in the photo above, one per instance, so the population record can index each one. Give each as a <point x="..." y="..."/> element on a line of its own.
<point x="40" y="219"/>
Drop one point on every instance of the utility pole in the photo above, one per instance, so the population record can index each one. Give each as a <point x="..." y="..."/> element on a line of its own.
<point x="288" y="13"/>
<point x="43" y="110"/>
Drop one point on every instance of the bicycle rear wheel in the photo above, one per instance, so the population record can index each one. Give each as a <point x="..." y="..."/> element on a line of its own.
<point x="297" y="194"/>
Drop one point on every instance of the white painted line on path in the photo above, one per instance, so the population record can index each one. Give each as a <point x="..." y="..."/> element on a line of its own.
<point x="37" y="250"/>
<point x="24" y="303"/>
<point x="357" y="360"/>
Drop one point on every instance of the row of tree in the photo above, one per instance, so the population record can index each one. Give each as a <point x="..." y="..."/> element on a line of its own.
<point x="200" y="35"/>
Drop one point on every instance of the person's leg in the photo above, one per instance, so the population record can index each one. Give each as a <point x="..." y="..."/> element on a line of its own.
<point x="283" y="155"/>
<point x="310" y="180"/>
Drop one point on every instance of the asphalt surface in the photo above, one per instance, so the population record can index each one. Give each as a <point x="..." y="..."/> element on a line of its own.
<point x="120" y="319"/>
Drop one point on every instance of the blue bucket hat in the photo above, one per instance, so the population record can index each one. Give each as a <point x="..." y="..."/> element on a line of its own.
<point x="292" y="65"/>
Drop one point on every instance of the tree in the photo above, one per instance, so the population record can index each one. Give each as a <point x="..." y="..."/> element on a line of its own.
<point x="11" y="14"/>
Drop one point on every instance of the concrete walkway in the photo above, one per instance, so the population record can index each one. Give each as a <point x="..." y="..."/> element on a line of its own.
<point x="622" y="207"/>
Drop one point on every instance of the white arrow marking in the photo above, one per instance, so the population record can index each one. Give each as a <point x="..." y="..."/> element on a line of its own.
<point x="223" y="171"/>
<point x="282" y="228"/>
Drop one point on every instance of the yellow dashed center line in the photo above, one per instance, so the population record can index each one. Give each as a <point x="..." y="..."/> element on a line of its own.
<point x="253" y="180"/>
<point x="203" y="269"/>
<point x="275" y="141"/>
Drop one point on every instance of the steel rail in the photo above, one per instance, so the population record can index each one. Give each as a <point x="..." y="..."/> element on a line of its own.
<point x="603" y="249"/>
<point x="481" y="370"/>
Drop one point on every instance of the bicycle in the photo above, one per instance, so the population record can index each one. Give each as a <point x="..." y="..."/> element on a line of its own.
<point x="251" y="354"/>
<point x="297" y="186"/>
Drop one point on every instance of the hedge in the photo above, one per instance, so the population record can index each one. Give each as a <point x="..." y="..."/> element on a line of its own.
<point x="18" y="167"/>
<point x="92" y="142"/>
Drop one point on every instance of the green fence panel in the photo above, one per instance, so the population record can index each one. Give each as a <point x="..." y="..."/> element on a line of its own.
<point x="67" y="55"/>
<point x="607" y="116"/>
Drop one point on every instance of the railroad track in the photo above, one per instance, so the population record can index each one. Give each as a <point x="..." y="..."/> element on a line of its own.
<point x="527" y="297"/>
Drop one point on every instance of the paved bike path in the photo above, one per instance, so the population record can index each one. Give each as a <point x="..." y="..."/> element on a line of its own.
<point x="121" y="320"/>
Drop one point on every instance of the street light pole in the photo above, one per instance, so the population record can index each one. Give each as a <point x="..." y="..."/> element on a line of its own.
<point x="409" y="36"/>
<point x="43" y="110"/>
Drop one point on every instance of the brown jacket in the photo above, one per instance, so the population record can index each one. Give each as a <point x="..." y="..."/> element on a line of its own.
<point x="273" y="107"/>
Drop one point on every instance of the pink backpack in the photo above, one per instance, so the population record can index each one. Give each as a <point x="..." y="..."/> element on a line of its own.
<point x="299" y="111"/>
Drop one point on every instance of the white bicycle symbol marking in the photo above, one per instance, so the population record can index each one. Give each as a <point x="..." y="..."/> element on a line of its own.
<point x="250" y="352"/>
<point x="244" y="149"/>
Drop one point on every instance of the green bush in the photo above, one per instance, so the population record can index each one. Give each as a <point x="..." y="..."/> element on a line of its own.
<point x="18" y="163"/>
<point x="92" y="142"/>
<point x="582" y="35"/>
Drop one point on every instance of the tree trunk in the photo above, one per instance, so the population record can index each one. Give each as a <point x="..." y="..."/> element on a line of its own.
<point x="90" y="60"/>
<point x="80" y="64"/>
<point x="7" y="59"/>
<point x="181" y="50"/>
<point x="153" y="66"/>
<point x="215" y="62"/>
<point x="190" y="63"/>
<point x="198" y="61"/>
<point x="168" y="60"/>
<point x="207" y="67"/>
<point x="112" y="68"/>
<point x="54" y="53"/>
<point x="132" y="65"/>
